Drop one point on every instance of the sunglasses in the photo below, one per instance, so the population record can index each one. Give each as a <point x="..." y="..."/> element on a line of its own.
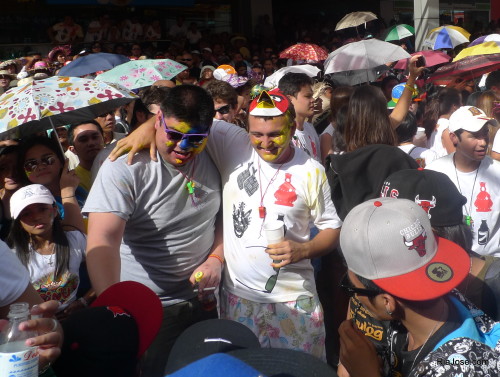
<point x="223" y="110"/>
<point x="351" y="290"/>
<point x="31" y="165"/>
<point x="179" y="136"/>
<point x="186" y="60"/>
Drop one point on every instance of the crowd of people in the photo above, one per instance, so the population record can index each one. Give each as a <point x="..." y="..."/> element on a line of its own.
<point x="386" y="192"/>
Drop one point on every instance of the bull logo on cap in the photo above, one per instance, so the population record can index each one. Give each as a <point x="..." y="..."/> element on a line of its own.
<point x="417" y="244"/>
<point x="426" y="205"/>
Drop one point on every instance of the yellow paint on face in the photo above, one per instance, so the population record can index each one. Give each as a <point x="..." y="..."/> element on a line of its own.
<point x="170" y="143"/>
<point x="183" y="127"/>
<point x="198" y="148"/>
<point x="281" y="142"/>
<point x="177" y="161"/>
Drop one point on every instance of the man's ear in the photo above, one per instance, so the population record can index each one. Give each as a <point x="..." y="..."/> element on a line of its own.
<point x="71" y="148"/>
<point x="454" y="138"/>
<point x="158" y="119"/>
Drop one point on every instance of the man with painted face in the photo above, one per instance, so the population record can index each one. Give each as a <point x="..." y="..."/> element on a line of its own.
<point x="154" y="221"/>
<point x="270" y="286"/>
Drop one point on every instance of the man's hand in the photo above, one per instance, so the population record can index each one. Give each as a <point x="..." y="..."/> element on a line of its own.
<point x="69" y="181"/>
<point x="212" y="269"/>
<point x="414" y="70"/>
<point x="287" y="252"/>
<point x="142" y="136"/>
<point x="357" y="353"/>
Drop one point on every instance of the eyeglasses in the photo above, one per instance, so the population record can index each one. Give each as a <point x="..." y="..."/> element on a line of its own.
<point x="223" y="110"/>
<point x="31" y="165"/>
<point x="351" y="290"/>
<point x="179" y="136"/>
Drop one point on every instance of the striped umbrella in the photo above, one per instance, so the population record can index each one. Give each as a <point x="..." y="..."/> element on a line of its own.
<point x="486" y="38"/>
<point x="447" y="36"/>
<point x="485" y="48"/>
<point x="398" y="32"/>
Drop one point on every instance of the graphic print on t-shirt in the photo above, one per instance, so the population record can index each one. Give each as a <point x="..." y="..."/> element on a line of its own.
<point x="241" y="219"/>
<point x="483" y="200"/>
<point x="246" y="179"/>
<point x="313" y="146"/>
<point x="60" y="290"/>
<point x="286" y="195"/>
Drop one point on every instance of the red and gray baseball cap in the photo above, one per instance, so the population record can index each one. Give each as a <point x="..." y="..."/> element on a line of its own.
<point x="390" y="241"/>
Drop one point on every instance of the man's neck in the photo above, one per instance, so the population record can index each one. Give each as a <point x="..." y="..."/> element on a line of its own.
<point x="464" y="164"/>
<point x="87" y="165"/>
<point x="299" y="121"/>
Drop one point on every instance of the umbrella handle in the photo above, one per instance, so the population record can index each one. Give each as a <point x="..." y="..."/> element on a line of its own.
<point x="57" y="138"/>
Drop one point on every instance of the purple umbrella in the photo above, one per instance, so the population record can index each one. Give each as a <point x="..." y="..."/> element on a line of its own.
<point x="486" y="38"/>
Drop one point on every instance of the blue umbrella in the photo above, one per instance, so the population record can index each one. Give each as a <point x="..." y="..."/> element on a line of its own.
<point x="92" y="63"/>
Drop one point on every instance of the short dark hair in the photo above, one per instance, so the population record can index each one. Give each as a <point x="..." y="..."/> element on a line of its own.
<point x="189" y="103"/>
<point x="291" y="83"/>
<point x="222" y="90"/>
<point x="407" y="128"/>
<point x="460" y="234"/>
<point x="153" y="95"/>
<point x="73" y="127"/>
<point x="493" y="79"/>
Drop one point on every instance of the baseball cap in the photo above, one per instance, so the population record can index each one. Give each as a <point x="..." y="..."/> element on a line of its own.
<point x="397" y="92"/>
<point x="469" y="118"/>
<point x="390" y="241"/>
<point x="108" y="338"/>
<point x="433" y="191"/>
<point x="209" y="337"/>
<point x="27" y="195"/>
<point x="269" y="103"/>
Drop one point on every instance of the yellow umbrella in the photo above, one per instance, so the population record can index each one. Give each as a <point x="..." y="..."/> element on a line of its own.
<point x="485" y="48"/>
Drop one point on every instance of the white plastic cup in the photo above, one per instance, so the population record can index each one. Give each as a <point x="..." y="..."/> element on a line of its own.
<point x="420" y="140"/>
<point x="274" y="231"/>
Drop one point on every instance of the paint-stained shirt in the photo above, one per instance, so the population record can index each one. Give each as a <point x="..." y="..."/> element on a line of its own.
<point x="168" y="232"/>
<point x="296" y="193"/>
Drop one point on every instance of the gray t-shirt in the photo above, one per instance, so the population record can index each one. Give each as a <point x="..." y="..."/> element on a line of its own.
<point x="168" y="232"/>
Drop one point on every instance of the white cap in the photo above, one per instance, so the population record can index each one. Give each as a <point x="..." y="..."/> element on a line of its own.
<point x="32" y="194"/>
<point x="468" y="118"/>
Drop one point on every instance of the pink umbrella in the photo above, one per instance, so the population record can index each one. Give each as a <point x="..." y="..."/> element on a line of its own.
<point x="432" y="58"/>
<point x="304" y="51"/>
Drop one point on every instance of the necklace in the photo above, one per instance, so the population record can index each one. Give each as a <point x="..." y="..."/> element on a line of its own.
<point x="430" y="334"/>
<point x="468" y="217"/>
<point x="48" y="258"/>
<point x="190" y="181"/>
<point x="262" y="209"/>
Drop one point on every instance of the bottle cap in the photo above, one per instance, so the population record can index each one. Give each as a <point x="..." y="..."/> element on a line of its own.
<point x="198" y="276"/>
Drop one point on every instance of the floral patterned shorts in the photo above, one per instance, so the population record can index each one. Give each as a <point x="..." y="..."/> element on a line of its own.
<point x="296" y="325"/>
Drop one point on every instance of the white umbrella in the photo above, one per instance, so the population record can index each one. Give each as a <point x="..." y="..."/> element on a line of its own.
<point x="273" y="80"/>
<point x="355" y="19"/>
<point x="365" y="54"/>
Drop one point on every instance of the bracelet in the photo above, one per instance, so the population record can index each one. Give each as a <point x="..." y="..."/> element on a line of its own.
<point x="412" y="89"/>
<point x="44" y="369"/>
<point x="67" y="197"/>
<point x="217" y="257"/>
<point x="83" y="301"/>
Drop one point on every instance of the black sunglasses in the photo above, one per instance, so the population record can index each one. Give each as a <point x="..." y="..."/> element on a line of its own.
<point x="223" y="110"/>
<point x="351" y="290"/>
<point x="31" y="165"/>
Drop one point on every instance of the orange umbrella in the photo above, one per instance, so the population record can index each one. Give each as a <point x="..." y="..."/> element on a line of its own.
<point x="304" y="51"/>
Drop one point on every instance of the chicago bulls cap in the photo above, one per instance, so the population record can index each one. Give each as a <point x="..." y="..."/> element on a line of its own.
<point x="390" y="241"/>
<point x="431" y="190"/>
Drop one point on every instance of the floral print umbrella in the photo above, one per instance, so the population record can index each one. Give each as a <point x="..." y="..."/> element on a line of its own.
<point x="140" y="73"/>
<point x="56" y="101"/>
<point x="304" y="51"/>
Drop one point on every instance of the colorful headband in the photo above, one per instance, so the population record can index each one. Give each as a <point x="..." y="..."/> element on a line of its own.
<point x="269" y="103"/>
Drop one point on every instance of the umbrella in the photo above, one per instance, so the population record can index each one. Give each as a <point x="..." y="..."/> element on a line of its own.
<point x="467" y="68"/>
<point x="304" y="51"/>
<point x="92" y="63"/>
<point x="486" y="38"/>
<point x="139" y="73"/>
<point x="57" y="101"/>
<point x="273" y="80"/>
<point x="485" y="48"/>
<point x="398" y="32"/>
<point x="355" y="19"/>
<point x="432" y="58"/>
<point x="359" y="76"/>
<point x="447" y="36"/>
<point x="365" y="54"/>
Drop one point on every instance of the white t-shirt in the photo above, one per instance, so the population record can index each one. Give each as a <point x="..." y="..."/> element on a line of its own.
<point x="435" y="141"/>
<point x="496" y="143"/>
<point x="42" y="273"/>
<point x="14" y="277"/>
<point x="328" y="130"/>
<point x="482" y="190"/>
<point x="296" y="192"/>
<point x="308" y="140"/>
<point x="423" y="156"/>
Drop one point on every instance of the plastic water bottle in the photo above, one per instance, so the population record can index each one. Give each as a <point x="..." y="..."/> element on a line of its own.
<point x="208" y="300"/>
<point x="16" y="358"/>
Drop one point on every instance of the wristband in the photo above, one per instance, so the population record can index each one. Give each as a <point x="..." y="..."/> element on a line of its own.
<point x="217" y="257"/>
<point x="412" y="89"/>
<point x="83" y="301"/>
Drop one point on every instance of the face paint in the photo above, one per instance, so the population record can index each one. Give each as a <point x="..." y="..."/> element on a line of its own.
<point x="178" y="161"/>
<point x="169" y="143"/>
<point x="183" y="127"/>
<point x="279" y="144"/>
<point x="197" y="149"/>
